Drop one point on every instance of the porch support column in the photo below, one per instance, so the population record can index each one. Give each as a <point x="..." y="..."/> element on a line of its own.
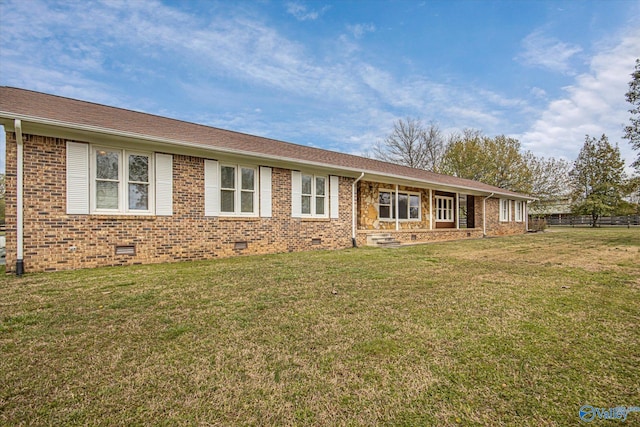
<point x="397" y="210"/>
<point x="457" y="212"/>
<point x="354" y="209"/>
<point x="430" y="209"/>
<point x="484" y="215"/>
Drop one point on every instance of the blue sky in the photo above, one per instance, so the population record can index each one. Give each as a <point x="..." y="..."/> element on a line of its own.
<point x="337" y="74"/>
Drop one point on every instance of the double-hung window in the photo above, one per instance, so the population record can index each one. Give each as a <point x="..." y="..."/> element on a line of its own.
<point x="238" y="195"/>
<point x="314" y="195"/>
<point x="109" y="180"/>
<point x="519" y="211"/>
<point x="121" y="181"/>
<point x="387" y="205"/>
<point x="444" y="209"/>
<point x="505" y="210"/>
<point x="408" y="205"/>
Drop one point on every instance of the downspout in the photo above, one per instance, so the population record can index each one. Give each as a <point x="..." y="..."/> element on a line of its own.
<point x="397" y="211"/>
<point x="354" y="204"/>
<point x="526" y="215"/>
<point x="19" y="200"/>
<point x="484" y="214"/>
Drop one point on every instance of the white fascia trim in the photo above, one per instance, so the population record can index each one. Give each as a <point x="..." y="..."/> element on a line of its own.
<point x="299" y="163"/>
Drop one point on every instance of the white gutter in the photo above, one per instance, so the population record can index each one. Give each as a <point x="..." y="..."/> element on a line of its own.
<point x="175" y="142"/>
<point x="484" y="214"/>
<point x="19" y="199"/>
<point x="354" y="204"/>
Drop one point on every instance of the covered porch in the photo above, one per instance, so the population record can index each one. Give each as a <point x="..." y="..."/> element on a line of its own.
<point x="408" y="214"/>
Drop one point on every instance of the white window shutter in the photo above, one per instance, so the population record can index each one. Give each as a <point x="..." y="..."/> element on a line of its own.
<point x="265" y="192"/>
<point x="77" y="178"/>
<point x="296" y="194"/>
<point x="211" y="188"/>
<point x="334" y="184"/>
<point x="164" y="184"/>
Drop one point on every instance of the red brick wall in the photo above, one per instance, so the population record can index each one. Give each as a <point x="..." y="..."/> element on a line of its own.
<point x="495" y="227"/>
<point x="54" y="240"/>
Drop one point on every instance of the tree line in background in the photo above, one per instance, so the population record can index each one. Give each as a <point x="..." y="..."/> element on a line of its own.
<point x="596" y="183"/>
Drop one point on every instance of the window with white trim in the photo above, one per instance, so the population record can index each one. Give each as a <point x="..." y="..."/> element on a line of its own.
<point x="444" y="208"/>
<point x="238" y="195"/>
<point x="408" y="205"/>
<point x="121" y="181"/>
<point x="519" y="211"/>
<point x="505" y="210"/>
<point x="314" y="195"/>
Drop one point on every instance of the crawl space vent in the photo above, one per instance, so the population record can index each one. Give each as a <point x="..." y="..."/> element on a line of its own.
<point x="125" y="250"/>
<point x="240" y="245"/>
<point x="316" y="241"/>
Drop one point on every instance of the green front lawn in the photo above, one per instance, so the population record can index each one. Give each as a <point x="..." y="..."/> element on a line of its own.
<point x="511" y="331"/>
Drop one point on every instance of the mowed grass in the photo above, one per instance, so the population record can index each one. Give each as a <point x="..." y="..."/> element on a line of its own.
<point x="509" y="331"/>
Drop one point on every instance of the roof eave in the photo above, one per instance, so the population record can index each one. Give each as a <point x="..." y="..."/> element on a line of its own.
<point x="6" y="118"/>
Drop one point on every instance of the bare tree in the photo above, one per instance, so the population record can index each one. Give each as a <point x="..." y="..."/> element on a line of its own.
<point x="434" y="147"/>
<point x="412" y="145"/>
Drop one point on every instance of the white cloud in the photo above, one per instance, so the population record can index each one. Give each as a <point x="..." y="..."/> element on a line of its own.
<point x="594" y="104"/>
<point x="225" y="67"/>
<point x="359" y="30"/>
<point x="538" y="92"/>
<point x="547" y="52"/>
<point x="303" y="13"/>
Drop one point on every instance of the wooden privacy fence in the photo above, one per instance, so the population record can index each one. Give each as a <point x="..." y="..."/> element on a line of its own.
<point x="585" y="220"/>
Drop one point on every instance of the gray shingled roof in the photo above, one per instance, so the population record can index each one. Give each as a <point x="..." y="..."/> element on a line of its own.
<point x="29" y="105"/>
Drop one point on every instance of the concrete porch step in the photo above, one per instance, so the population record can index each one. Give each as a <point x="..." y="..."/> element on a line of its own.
<point x="383" y="240"/>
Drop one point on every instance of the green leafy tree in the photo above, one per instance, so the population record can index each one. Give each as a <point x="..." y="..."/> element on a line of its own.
<point x="549" y="182"/>
<point x="631" y="203"/>
<point x="632" y="132"/>
<point x="464" y="155"/>
<point x="597" y="179"/>
<point x="495" y="161"/>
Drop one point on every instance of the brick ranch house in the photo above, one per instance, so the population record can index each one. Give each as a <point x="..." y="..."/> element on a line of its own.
<point x="90" y="185"/>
